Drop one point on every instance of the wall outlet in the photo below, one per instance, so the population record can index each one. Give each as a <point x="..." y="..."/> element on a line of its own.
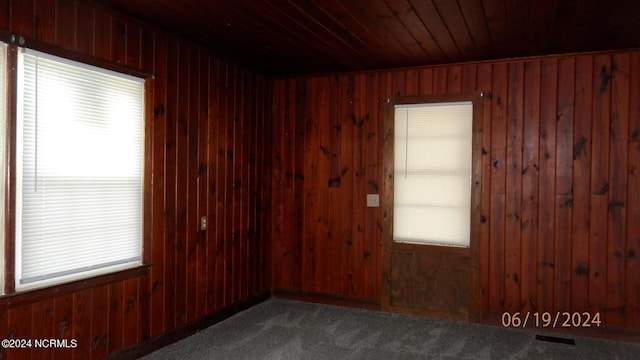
<point x="373" y="200"/>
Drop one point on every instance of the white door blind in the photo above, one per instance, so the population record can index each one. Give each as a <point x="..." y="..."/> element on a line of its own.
<point x="432" y="178"/>
<point x="80" y="158"/>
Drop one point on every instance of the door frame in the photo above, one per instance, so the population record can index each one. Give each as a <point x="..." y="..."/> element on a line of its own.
<point x="473" y="251"/>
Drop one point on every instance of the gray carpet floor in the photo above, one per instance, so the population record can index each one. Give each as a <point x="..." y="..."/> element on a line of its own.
<point x="281" y="329"/>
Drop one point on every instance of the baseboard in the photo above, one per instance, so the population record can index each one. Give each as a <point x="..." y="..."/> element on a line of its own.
<point x="319" y="298"/>
<point x="182" y="332"/>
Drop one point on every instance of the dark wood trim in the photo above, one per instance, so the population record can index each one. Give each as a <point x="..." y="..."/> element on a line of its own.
<point x="38" y="45"/>
<point x="182" y="332"/>
<point x="369" y="304"/>
<point x="32" y="296"/>
<point x="10" y="176"/>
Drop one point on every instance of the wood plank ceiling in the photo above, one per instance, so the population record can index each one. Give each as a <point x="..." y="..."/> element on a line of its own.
<point x="285" y="37"/>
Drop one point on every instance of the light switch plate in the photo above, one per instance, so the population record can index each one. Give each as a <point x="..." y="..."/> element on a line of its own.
<point x="373" y="200"/>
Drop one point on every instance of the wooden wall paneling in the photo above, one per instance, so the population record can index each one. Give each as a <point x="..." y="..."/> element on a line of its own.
<point x="21" y="18"/>
<point x="221" y="189"/>
<point x="469" y="79"/>
<point x="498" y="188"/>
<point x="250" y="182"/>
<point x="601" y="116"/>
<point x="279" y="250"/>
<point x="103" y="33"/>
<point x="530" y="180"/>
<point x="333" y="151"/>
<point x="372" y="153"/>
<point x="116" y="317"/>
<point x="183" y="189"/>
<point x="98" y="338"/>
<point x="242" y="182"/>
<point x="204" y="244"/>
<point x="42" y="327"/>
<point x="5" y="19"/>
<point x="20" y="327"/>
<point x="513" y="195"/>
<point x="426" y="81"/>
<point x="581" y="184"/>
<point x="454" y="79"/>
<point x="235" y="136"/>
<point x="347" y="169"/>
<point x="310" y="151"/>
<point x="299" y="179"/>
<point x="81" y="325"/>
<point x="45" y="20"/>
<point x="216" y="256"/>
<point x="264" y="144"/>
<point x="159" y="241"/>
<point x="546" y="195"/>
<point x="136" y="45"/>
<point x="192" y="243"/>
<point x="412" y="82"/>
<point x="632" y="283"/>
<point x="358" y="118"/>
<point x="131" y="309"/>
<point x="440" y="80"/>
<point x="85" y="29"/>
<point x="227" y="134"/>
<point x="485" y="78"/>
<point x="65" y="23"/>
<point x="564" y="182"/>
<point x="617" y="204"/>
<point x="171" y="189"/>
<point x="323" y="248"/>
<point x="120" y="38"/>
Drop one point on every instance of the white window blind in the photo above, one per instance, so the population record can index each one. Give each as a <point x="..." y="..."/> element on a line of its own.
<point x="80" y="159"/>
<point x="3" y="127"/>
<point x="432" y="177"/>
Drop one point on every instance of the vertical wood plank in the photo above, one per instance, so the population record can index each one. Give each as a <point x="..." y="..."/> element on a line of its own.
<point x="581" y="184"/>
<point x="65" y="23"/>
<point x="617" y="203"/>
<point x="182" y="182"/>
<point x="204" y="245"/>
<point x="564" y="182"/>
<point x="130" y="323"/>
<point x="171" y="190"/>
<point x="103" y="32"/>
<point x="120" y="42"/>
<point x="159" y="191"/>
<point x="192" y="214"/>
<point x="116" y="317"/>
<point x="513" y="195"/>
<point x="99" y="324"/>
<point x="81" y="329"/>
<point x="321" y="249"/>
<point x="45" y="20"/>
<point x="632" y="283"/>
<point x="485" y="78"/>
<point x="498" y="188"/>
<point x="299" y="181"/>
<point x="4" y="15"/>
<point x="85" y="40"/>
<point x="63" y="322"/>
<point x="359" y="119"/>
<point x="20" y="327"/>
<point x="22" y="18"/>
<point x="601" y="116"/>
<point x="43" y="327"/>
<point x="546" y="195"/>
<point x="530" y="180"/>
<point x="133" y="43"/>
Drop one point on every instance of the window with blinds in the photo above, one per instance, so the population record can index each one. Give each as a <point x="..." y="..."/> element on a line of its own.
<point x="79" y="171"/>
<point x="432" y="175"/>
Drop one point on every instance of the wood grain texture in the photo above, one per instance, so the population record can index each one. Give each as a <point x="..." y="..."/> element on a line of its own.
<point x="208" y="129"/>
<point x="559" y="161"/>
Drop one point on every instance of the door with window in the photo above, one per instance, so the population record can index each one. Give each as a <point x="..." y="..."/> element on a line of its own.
<point x="432" y="201"/>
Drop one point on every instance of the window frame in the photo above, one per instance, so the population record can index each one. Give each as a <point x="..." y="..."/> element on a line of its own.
<point x="476" y="170"/>
<point x="10" y="297"/>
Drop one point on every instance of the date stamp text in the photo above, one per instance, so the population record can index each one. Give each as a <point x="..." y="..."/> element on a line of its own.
<point x="551" y="320"/>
